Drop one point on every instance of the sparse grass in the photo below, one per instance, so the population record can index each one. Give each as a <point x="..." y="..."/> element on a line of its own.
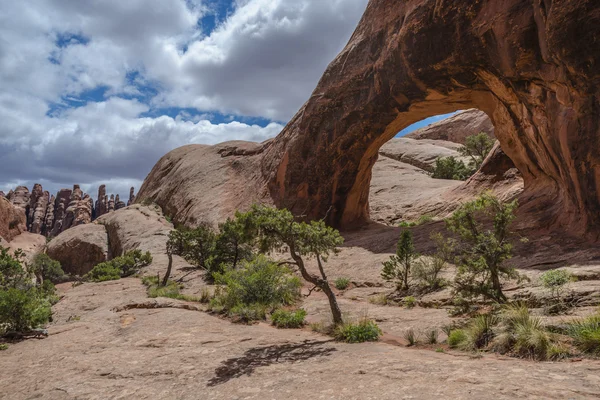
<point x="74" y="318"/>
<point x="319" y="327"/>
<point x="3" y="346"/>
<point x="205" y="296"/>
<point x="411" y="337"/>
<point x="456" y="337"/>
<point x="558" y="351"/>
<point x="247" y="313"/>
<point x="342" y="283"/>
<point x="288" y="319"/>
<point x="380" y="299"/>
<point x="431" y="336"/>
<point x="423" y="219"/>
<point x="479" y="332"/>
<point x="364" y="330"/>
<point x="586" y="334"/>
<point x="171" y="290"/>
<point x="409" y="301"/>
<point x="440" y="350"/>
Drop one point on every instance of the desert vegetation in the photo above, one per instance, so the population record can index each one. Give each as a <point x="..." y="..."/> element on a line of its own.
<point x="119" y="267"/>
<point x="475" y="149"/>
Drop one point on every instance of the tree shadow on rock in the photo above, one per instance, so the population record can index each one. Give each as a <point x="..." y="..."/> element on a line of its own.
<point x="265" y="356"/>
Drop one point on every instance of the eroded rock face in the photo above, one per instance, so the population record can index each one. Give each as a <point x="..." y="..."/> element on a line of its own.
<point x="12" y="220"/>
<point x="457" y="127"/>
<point x="419" y="153"/>
<point x="531" y="66"/>
<point x="80" y="248"/>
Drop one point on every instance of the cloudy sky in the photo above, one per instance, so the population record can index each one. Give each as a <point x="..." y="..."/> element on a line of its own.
<point x="96" y="91"/>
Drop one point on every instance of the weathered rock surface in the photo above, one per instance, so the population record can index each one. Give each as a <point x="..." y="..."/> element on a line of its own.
<point x="131" y="196"/>
<point x="101" y="202"/>
<point x="530" y="65"/>
<point x="457" y="127"/>
<point x="12" y="220"/>
<point x="80" y="248"/>
<point x="19" y="197"/>
<point x="199" y="183"/>
<point x="419" y="153"/>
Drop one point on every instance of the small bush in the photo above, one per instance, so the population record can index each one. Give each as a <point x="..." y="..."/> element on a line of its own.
<point x="456" y="338"/>
<point x="451" y="168"/>
<point x="398" y="268"/>
<point x="103" y="272"/>
<point x="342" y="283"/>
<point x="411" y="337"/>
<point x="558" y="351"/>
<point x="479" y="332"/>
<point x="409" y="301"/>
<point x="205" y="296"/>
<point x="586" y="334"/>
<point x="365" y="330"/>
<point x="48" y="269"/>
<point x="260" y="282"/>
<point x="23" y="309"/>
<point x="288" y="319"/>
<point x="3" y="346"/>
<point x="119" y="267"/>
<point x="246" y="313"/>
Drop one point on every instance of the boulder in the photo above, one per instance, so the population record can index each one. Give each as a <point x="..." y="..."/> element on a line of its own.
<point x="80" y="248"/>
<point x="13" y="221"/>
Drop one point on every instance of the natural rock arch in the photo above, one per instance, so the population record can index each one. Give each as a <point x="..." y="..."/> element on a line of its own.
<point x="531" y="65"/>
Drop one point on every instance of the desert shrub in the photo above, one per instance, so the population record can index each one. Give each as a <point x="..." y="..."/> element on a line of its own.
<point x="479" y="332"/>
<point x="431" y="336"/>
<point x="398" y="268"/>
<point x="45" y="268"/>
<point x="12" y="273"/>
<point x="411" y="337"/>
<point x="205" y="296"/>
<point x="521" y="334"/>
<point x="246" y="313"/>
<point x="288" y="319"/>
<point x="3" y="346"/>
<point x="23" y="309"/>
<point x="456" y="338"/>
<point x="586" y="334"/>
<point x="409" y="301"/>
<point x="199" y="247"/>
<point x="555" y="281"/>
<point x="119" y="267"/>
<point x="482" y="252"/>
<point x="364" y="330"/>
<point x="423" y="219"/>
<point x="170" y="290"/>
<point x="451" y="168"/>
<point x="260" y="282"/>
<point x="558" y="351"/>
<point x="477" y="147"/>
<point x="342" y="283"/>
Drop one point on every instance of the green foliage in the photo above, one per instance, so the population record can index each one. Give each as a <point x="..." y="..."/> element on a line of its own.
<point x="456" y="338"/>
<point x="288" y="319"/>
<point x="199" y="247"/>
<point x="170" y="290"/>
<point x="398" y="268"/>
<point x="477" y="147"/>
<point x="451" y="168"/>
<point x="277" y="230"/>
<point x="423" y="219"/>
<point x="3" y="346"/>
<point x="119" y="267"/>
<point x="45" y="267"/>
<point x="342" y="283"/>
<point x="427" y="270"/>
<point x="364" y="330"/>
<point x="483" y="252"/>
<point x="23" y="309"/>
<point x="409" y="301"/>
<point x="586" y="334"/>
<point x="555" y="281"/>
<point x="12" y="273"/>
<point x="260" y="282"/>
<point x="411" y="337"/>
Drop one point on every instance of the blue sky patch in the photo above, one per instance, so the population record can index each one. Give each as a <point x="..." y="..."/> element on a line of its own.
<point x="423" y="123"/>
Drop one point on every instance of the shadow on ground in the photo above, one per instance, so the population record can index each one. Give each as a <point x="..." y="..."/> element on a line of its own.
<point x="265" y="356"/>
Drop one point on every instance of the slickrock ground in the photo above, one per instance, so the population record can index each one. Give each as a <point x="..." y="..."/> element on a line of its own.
<point x="170" y="353"/>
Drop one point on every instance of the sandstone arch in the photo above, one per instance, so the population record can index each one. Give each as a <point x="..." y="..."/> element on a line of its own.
<point x="531" y="65"/>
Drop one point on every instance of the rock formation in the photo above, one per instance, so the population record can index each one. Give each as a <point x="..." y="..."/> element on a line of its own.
<point x="131" y="196"/>
<point x="50" y="216"/>
<point x="457" y="127"/>
<point x="102" y="202"/>
<point x="80" y="248"/>
<point x="530" y="65"/>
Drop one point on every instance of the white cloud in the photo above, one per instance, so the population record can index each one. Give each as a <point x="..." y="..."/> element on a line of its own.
<point x="262" y="61"/>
